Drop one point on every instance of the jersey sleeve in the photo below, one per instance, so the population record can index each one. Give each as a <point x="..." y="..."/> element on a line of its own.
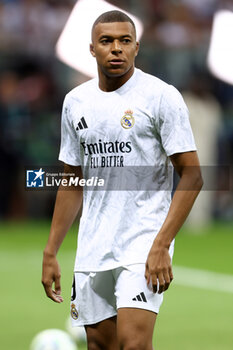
<point x="69" y="149"/>
<point x="174" y="126"/>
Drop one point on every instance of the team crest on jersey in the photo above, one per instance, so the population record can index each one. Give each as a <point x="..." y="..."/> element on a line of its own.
<point x="127" y="121"/>
<point x="74" y="312"/>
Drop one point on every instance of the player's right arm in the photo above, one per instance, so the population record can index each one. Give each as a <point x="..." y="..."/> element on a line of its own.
<point x="67" y="205"/>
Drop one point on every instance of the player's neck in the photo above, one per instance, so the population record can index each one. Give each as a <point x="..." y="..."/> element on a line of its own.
<point x="109" y="84"/>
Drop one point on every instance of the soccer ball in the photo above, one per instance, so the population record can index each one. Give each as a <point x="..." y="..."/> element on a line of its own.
<point x="77" y="333"/>
<point x="53" y="339"/>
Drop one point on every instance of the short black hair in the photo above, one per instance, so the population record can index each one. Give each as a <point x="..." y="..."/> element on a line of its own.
<point x="113" y="16"/>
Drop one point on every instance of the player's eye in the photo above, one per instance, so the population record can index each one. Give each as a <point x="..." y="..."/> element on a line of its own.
<point x="105" y="41"/>
<point x="126" y="40"/>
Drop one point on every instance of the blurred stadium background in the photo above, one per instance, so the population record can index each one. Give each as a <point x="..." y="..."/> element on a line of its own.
<point x="33" y="82"/>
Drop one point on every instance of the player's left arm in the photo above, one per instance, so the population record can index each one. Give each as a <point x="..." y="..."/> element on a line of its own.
<point x="158" y="265"/>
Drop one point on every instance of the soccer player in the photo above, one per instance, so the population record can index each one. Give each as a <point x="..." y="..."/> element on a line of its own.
<point x="124" y="119"/>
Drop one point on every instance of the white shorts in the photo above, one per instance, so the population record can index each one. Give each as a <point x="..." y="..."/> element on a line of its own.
<point x="97" y="296"/>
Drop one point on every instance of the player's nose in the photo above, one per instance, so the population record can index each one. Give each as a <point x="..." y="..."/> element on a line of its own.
<point x="116" y="46"/>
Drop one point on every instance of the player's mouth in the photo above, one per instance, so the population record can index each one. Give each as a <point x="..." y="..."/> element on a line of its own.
<point x="116" y="62"/>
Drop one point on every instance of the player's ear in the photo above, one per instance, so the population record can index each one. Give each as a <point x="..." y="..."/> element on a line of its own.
<point x="137" y="48"/>
<point x="92" y="51"/>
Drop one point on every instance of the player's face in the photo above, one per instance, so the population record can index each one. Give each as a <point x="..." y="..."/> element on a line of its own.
<point x="115" y="47"/>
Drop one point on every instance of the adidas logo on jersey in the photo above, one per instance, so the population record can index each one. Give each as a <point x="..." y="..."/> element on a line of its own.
<point x="140" y="297"/>
<point x="82" y="124"/>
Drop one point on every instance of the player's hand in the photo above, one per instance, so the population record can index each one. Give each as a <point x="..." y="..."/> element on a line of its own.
<point x="51" y="274"/>
<point x="158" y="272"/>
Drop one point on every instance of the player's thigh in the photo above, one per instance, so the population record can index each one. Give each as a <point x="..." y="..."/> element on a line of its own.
<point x="135" y="328"/>
<point x="102" y="335"/>
<point x="137" y="308"/>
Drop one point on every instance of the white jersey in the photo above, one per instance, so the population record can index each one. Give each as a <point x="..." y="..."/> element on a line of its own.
<point x="133" y="128"/>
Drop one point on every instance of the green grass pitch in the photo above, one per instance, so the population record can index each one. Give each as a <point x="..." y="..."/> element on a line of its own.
<point x="191" y="318"/>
